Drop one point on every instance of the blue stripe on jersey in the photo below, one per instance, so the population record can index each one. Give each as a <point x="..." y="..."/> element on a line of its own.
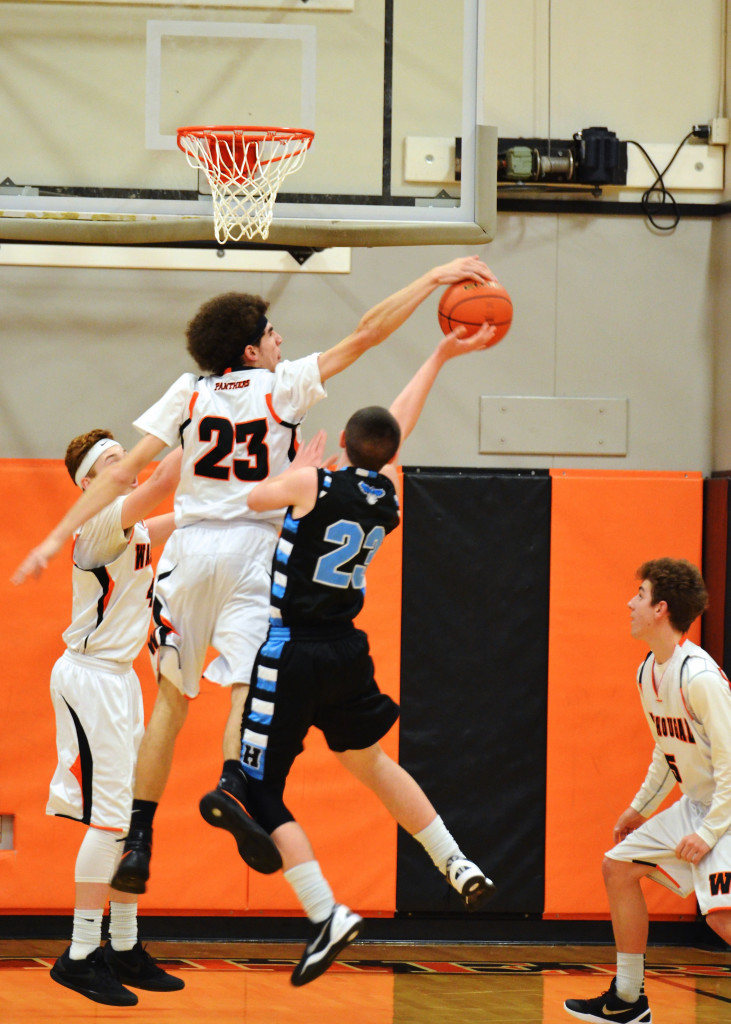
<point x="277" y="590"/>
<point x="270" y="685"/>
<point x="290" y="525"/>
<point x="258" y="716"/>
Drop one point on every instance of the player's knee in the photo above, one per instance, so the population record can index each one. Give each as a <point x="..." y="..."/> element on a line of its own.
<point x="265" y="804"/>
<point x="619" y="872"/>
<point x="97" y="856"/>
<point x="612" y="870"/>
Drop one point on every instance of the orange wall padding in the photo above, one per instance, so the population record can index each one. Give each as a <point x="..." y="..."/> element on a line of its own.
<point x="196" y="869"/>
<point x="604" y="524"/>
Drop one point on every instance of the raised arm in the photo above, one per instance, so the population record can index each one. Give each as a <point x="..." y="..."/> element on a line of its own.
<point x="383" y="319"/>
<point x="142" y="501"/>
<point x="115" y="480"/>
<point x="407" y="406"/>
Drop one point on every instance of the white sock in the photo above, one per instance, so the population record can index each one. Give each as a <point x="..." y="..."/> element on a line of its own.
<point x="438" y="843"/>
<point x="123" y="925"/>
<point x="630" y="976"/>
<point x="311" y="890"/>
<point x="87" y="933"/>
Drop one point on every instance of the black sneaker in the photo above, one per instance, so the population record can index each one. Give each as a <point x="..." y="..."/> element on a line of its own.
<point x="91" y="978"/>
<point x="256" y="847"/>
<point x="340" y="929"/>
<point x="135" y="967"/>
<point x="133" y="869"/>
<point x="608" y="1006"/>
<point x="469" y="881"/>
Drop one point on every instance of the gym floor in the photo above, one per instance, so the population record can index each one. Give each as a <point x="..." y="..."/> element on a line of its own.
<point x="387" y="983"/>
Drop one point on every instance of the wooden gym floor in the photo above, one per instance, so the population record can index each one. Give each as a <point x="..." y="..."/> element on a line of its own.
<point x="243" y="983"/>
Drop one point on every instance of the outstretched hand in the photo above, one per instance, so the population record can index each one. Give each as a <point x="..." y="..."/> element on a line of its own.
<point x="35" y="562"/>
<point x="311" y="452"/>
<point x="465" y="268"/>
<point x="455" y="344"/>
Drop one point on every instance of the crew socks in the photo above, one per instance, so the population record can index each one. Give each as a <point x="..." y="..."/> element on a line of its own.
<point x="87" y="933"/>
<point x="312" y="890"/>
<point x="123" y="925"/>
<point x="438" y="843"/>
<point x="630" y="976"/>
<point x="143" y="811"/>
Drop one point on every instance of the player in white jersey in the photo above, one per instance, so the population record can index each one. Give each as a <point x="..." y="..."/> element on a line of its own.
<point x="238" y="424"/>
<point x="99" y="719"/>
<point x="687" y="847"/>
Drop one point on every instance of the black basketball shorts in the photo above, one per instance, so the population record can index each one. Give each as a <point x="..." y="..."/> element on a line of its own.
<point x="328" y="683"/>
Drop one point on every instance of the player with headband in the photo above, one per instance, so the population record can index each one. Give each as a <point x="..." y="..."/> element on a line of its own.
<point x="99" y="719"/>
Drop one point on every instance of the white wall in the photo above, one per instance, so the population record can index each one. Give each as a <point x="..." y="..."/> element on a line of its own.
<point x="604" y="305"/>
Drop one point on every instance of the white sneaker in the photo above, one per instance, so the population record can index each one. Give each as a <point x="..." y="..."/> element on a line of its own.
<point x="340" y="929"/>
<point x="472" y="885"/>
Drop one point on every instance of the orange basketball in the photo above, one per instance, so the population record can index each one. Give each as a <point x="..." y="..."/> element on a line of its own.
<point x="470" y="304"/>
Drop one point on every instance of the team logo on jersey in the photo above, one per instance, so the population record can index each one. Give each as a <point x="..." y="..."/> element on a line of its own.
<point x="143" y="556"/>
<point x="677" y="727"/>
<point x="231" y="385"/>
<point x="720" y="882"/>
<point x="372" y="494"/>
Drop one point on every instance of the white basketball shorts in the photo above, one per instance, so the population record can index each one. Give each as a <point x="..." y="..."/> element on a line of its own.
<point x="212" y="590"/>
<point x="99" y="726"/>
<point x="655" y="843"/>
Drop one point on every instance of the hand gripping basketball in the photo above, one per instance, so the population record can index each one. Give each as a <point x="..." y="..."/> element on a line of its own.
<point x="470" y="304"/>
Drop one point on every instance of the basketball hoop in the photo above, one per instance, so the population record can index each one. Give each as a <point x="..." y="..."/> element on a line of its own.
<point x="245" y="167"/>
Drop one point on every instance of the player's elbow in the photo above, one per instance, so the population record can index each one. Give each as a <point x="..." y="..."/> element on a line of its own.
<point x="256" y="502"/>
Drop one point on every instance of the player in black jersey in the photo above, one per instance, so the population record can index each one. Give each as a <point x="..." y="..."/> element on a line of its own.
<point x="315" y="667"/>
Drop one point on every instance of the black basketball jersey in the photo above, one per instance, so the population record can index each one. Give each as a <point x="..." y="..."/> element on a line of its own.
<point x="318" y="575"/>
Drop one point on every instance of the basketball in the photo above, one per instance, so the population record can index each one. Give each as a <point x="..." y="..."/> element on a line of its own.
<point x="470" y="304"/>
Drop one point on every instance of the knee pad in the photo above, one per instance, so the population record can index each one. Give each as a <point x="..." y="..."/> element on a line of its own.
<point x="265" y="804"/>
<point x="97" y="856"/>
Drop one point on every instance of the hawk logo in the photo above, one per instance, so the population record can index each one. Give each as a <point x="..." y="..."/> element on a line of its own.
<point x="720" y="882"/>
<point x="372" y="494"/>
<point x="251" y="755"/>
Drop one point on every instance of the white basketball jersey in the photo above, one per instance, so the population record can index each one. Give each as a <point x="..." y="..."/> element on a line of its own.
<point x="236" y="430"/>
<point x="112" y="581"/>
<point x="688" y="710"/>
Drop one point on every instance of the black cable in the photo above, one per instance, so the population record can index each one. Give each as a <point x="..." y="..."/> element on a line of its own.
<point x="657" y="194"/>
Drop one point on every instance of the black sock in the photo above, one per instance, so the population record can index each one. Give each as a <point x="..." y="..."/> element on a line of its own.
<point x="233" y="779"/>
<point x="143" y="811"/>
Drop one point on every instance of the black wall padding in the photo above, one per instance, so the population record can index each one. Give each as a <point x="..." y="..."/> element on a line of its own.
<point x="474" y="677"/>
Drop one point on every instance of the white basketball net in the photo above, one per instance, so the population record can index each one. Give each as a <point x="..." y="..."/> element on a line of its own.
<point x="245" y="168"/>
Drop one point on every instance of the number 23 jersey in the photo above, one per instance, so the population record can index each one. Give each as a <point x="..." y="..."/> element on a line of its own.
<point x="318" y="577"/>
<point x="236" y="430"/>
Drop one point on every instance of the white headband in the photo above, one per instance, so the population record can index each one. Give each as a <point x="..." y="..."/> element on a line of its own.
<point x="91" y="456"/>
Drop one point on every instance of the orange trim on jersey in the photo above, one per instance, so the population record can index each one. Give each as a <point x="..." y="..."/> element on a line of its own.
<point x="663" y="872"/>
<point x="270" y="407"/>
<point x="106" y="828"/>
<point x="168" y="625"/>
<point x="193" y="400"/>
<point x="718" y="910"/>
<point x="75" y="770"/>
